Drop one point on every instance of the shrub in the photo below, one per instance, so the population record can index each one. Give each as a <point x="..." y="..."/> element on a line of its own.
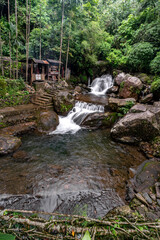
<point x="3" y="86"/>
<point x="155" y="64"/>
<point x="155" y="88"/>
<point x="140" y="56"/>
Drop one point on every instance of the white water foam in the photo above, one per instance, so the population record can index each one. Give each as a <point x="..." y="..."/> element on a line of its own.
<point x="71" y="123"/>
<point x="100" y="85"/>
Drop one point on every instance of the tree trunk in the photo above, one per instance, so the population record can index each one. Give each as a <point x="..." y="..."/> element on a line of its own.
<point x="10" y="67"/>
<point x="27" y="35"/>
<point x="61" y="41"/>
<point x="16" y="39"/>
<point x="1" y="54"/>
<point x="67" y="52"/>
<point x="40" y="43"/>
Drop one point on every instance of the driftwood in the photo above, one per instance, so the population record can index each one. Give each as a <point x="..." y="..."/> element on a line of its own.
<point x="61" y="226"/>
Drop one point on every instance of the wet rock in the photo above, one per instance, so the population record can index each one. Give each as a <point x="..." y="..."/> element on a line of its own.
<point x="9" y="144"/>
<point x="90" y="98"/>
<point x="47" y="121"/>
<point x="147" y="198"/>
<point x="113" y="89"/>
<point x="19" y="129"/>
<point x="130" y="87"/>
<point x="147" y="174"/>
<point x="148" y="98"/>
<point x="136" y="127"/>
<point x="20" y="156"/>
<point x="78" y="89"/>
<point x="99" y="120"/>
<point x="115" y="103"/>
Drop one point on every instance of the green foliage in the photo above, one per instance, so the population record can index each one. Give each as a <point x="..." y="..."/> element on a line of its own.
<point x="12" y="92"/>
<point x="140" y="56"/>
<point x="4" y="236"/>
<point x="116" y="58"/>
<point x="124" y="110"/>
<point x="155" y="64"/>
<point x="155" y="86"/>
<point x="3" y="86"/>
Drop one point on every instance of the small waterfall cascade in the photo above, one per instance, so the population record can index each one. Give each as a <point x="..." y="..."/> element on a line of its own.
<point x="71" y="123"/>
<point x="100" y="85"/>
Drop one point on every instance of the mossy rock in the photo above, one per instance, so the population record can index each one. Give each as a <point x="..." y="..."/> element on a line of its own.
<point x="145" y="78"/>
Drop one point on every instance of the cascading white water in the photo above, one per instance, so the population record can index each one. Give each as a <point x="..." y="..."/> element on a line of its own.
<point x="71" y="123"/>
<point x="100" y="85"/>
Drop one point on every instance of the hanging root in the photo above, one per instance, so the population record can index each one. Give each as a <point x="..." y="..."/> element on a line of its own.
<point x="32" y="225"/>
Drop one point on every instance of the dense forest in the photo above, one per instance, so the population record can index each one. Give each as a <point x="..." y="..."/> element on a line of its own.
<point x="123" y="33"/>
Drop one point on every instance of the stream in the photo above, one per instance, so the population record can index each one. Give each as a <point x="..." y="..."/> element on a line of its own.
<point x="71" y="170"/>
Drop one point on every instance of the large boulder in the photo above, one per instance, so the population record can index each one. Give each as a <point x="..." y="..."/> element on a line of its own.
<point x="120" y="78"/>
<point x="9" y="144"/>
<point x="141" y="124"/>
<point x="100" y="120"/>
<point x="130" y="87"/>
<point x="47" y="121"/>
<point x="63" y="101"/>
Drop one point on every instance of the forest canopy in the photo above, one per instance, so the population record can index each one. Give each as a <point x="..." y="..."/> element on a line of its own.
<point x="124" y="33"/>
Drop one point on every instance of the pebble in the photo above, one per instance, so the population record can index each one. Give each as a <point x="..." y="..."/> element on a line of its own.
<point x="147" y="198"/>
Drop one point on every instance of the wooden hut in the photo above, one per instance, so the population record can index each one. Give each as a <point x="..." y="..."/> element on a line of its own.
<point x="39" y="70"/>
<point x="54" y="69"/>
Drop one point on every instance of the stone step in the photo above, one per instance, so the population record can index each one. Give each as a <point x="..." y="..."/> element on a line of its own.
<point x="43" y="99"/>
<point x="44" y="96"/>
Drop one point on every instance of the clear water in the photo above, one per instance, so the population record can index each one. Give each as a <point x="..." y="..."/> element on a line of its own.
<point x="68" y="173"/>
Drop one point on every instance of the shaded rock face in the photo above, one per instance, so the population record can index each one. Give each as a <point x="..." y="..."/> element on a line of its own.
<point x="100" y="120"/>
<point x="47" y="121"/>
<point x="141" y="124"/>
<point x="9" y="144"/>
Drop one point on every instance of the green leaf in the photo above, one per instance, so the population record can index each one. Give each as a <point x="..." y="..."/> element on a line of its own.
<point x="4" y="236"/>
<point x="87" y="236"/>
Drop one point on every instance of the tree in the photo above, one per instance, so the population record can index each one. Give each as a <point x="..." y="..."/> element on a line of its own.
<point x="16" y="39"/>
<point x="28" y="12"/>
<point x="10" y="67"/>
<point x="61" y="41"/>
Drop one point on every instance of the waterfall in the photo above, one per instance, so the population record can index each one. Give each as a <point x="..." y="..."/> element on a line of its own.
<point x="100" y="85"/>
<point x="71" y="123"/>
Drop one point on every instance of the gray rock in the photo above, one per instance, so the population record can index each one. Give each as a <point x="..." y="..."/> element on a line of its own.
<point x="115" y="103"/>
<point x="148" y="98"/>
<point x="136" y="127"/>
<point x="47" y="121"/>
<point x="151" y="216"/>
<point x="120" y="78"/>
<point x="157" y="187"/>
<point x="158" y="201"/>
<point x="153" y="196"/>
<point x="9" y="144"/>
<point x="147" y="198"/>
